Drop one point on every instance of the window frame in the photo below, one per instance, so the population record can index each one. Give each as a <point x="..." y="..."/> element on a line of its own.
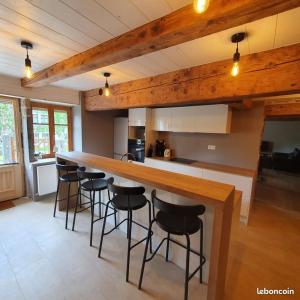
<point x="51" y="108"/>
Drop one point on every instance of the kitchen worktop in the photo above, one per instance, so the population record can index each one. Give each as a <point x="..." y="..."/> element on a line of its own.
<point x="209" y="166"/>
<point x="195" y="188"/>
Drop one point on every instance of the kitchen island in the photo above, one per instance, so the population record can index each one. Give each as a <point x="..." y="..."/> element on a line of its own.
<point x="217" y="197"/>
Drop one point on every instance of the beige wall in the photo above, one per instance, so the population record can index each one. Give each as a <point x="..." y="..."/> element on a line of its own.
<point x="11" y="86"/>
<point x="240" y="148"/>
<point x="98" y="131"/>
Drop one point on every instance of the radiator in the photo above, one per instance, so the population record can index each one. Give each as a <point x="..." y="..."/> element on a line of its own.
<point x="46" y="179"/>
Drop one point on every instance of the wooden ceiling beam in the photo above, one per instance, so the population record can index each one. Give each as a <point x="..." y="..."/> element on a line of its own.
<point x="178" y="27"/>
<point x="273" y="72"/>
<point x="282" y="110"/>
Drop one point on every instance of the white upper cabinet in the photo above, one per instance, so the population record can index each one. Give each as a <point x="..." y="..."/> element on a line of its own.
<point x="184" y="119"/>
<point x="137" y="116"/>
<point x="162" y="119"/>
<point x="213" y="118"/>
<point x="203" y="119"/>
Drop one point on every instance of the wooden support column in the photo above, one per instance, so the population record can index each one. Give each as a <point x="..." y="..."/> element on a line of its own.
<point x="220" y="249"/>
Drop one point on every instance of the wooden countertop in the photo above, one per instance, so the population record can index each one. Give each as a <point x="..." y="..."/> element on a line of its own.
<point x="214" y="167"/>
<point x="205" y="191"/>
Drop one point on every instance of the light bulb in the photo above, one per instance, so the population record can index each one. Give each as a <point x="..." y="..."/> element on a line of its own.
<point x="28" y="72"/>
<point x="235" y="69"/>
<point x="201" y="6"/>
<point x="106" y="91"/>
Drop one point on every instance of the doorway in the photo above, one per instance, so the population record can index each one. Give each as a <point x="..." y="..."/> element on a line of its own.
<point x="11" y="155"/>
<point x="279" y="168"/>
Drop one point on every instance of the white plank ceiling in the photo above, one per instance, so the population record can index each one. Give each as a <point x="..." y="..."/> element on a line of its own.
<point x="61" y="28"/>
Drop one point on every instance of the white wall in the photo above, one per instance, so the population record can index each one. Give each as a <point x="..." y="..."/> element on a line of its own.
<point x="11" y="86"/>
<point x="284" y="134"/>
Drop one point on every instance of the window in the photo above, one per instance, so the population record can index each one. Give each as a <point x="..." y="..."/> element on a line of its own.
<point x="61" y="130"/>
<point x="51" y="129"/>
<point x="41" y="132"/>
<point x="8" y="143"/>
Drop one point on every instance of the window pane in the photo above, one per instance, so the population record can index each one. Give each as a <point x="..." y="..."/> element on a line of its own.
<point x="61" y="138"/>
<point x="8" y="153"/>
<point x="60" y="117"/>
<point x="40" y="115"/>
<point x="41" y="139"/>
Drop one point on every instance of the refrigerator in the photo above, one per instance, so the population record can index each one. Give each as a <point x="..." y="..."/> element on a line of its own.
<point x="120" y="137"/>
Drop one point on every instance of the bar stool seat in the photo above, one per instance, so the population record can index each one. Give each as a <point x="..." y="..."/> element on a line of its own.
<point x="96" y="185"/>
<point x="66" y="175"/>
<point x="136" y="202"/>
<point x="177" y="225"/>
<point x="71" y="177"/>
<point x="177" y="219"/>
<point x="92" y="182"/>
<point x="127" y="199"/>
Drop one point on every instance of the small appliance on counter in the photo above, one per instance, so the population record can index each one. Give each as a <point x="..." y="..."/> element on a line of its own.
<point x="167" y="153"/>
<point x="160" y="148"/>
<point x="137" y="148"/>
<point x="150" y="151"/>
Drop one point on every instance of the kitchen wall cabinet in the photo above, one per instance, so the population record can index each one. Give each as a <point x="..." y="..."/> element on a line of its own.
<point x="137" y="116"/>
<point x="203" y="119"/>
<point x="162" y="119"/>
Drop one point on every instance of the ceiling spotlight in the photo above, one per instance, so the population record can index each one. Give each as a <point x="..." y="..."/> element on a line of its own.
<point x="200" y="6"/>
<point x="106" y="91"/>
<point x="28" y="71"/>
<point x="236" y="39"/>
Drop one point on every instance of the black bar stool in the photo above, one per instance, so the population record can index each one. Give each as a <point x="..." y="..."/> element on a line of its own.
<point x="126" y="199"/>
<point x="91" y="182"/>
<point x="66" y="174"/>
<point x="178" y="220"/>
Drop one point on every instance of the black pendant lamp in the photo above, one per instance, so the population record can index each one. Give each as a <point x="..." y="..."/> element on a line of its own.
<point x="106" y="91"/>
<point x="27" y="45"/>
<point x="236" y="39"/>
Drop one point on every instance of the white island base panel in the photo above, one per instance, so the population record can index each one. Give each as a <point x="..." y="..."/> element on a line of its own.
<point x="243" y="183"/>
<point x="177" y="254"/>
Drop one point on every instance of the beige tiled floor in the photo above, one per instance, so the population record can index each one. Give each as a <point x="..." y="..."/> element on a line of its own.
<point x="41" y="260"/>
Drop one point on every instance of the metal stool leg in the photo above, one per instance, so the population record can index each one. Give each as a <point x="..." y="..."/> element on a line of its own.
<point x="103" y="229"/>
<point x="115" y="216"/>
<point x="80" y="201"/>
<point x="128" y="224"/>
<point x="187" y="268"/>
<point x="92" y="218"/>
<point x="167" y="248"/>
<point x="150" y="219"/>
<point x="68" y="204"/>
<point x="100" y="204"/>
<point x="129" y="244"/>
<point x="145" y="255"/>
<point x="201" y="251"/>
<point x="56" y="197"/>
<point x="76" y="205"/>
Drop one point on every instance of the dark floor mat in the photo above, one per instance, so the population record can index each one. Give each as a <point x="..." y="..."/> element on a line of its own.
<point x="6" y="205"/>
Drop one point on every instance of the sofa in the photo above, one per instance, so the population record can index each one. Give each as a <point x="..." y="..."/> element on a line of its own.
<point x="289" y="162"/>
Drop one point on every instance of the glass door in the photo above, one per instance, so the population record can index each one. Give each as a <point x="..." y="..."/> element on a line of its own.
<point x="11" y="157"/>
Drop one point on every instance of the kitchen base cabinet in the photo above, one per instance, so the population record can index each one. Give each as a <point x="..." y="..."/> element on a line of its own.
<point x="241" y="183"/>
